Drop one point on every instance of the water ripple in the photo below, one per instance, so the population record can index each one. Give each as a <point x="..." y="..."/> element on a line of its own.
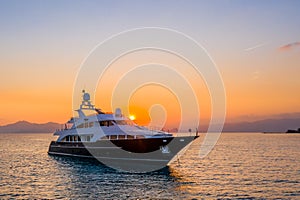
<point x="241" y="166"/>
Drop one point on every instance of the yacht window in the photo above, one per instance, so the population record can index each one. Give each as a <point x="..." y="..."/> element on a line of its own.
<point x="82" y="138"/>
<point x="130" y="136"/>
<point x="121" y="137"/>
<point x="106" y="123"/>
<point x="80" y="126"/>
<point x="91" y="124"/>
<point x="124" y="122"/>
<point x="113" y="137"/>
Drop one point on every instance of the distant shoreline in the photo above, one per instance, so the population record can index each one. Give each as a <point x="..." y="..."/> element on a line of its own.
<point x="282" y="133"/>
<point x="200" y="133"/>
<point x="264" y="126"/>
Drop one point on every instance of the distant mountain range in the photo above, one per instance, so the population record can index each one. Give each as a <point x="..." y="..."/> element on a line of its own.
<point x="28" y="127"/>
<point x="267" y="125"/>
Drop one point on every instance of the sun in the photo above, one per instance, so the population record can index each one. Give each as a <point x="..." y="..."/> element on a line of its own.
<point x="131" y="117"/>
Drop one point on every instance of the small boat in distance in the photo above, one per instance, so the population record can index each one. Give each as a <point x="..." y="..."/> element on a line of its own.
<point x="116" y="141"/>
<point x="293" y="131"/>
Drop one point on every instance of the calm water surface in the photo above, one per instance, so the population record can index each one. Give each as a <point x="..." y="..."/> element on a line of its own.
<point x="241" y="166"/>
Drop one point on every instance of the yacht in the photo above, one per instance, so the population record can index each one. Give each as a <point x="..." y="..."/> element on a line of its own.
<point x="116" y="141"/>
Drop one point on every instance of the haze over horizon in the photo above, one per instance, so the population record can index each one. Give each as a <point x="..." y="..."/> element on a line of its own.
<point x="255" y="45"/>
<point x="240" y="119"/>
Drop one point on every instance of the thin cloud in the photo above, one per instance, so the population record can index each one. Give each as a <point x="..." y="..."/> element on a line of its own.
<point x="289" y="46"/>
<point x="255" y="47"/>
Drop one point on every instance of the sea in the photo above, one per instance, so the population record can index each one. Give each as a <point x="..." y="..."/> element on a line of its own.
<point x="241" y="166"/>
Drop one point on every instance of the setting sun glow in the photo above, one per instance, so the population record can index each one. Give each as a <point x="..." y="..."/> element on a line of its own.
<point x="132" y="117"/>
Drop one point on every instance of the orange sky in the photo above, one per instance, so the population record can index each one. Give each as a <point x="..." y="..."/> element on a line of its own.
<point x="260" y="91"/>
<point x="256" y="52"/>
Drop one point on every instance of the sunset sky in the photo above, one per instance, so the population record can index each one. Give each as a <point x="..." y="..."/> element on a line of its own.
<point x="255" y="45"/>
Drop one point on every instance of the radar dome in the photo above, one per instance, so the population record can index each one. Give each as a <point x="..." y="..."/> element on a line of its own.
<point x="86" y="97"/>
<point x="118" y="112"/>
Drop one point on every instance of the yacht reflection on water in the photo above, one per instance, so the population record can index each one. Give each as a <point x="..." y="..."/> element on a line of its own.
<point x="117" y="141"/>
<point x="86" y="178"/>
<point x="90" y="166"/>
